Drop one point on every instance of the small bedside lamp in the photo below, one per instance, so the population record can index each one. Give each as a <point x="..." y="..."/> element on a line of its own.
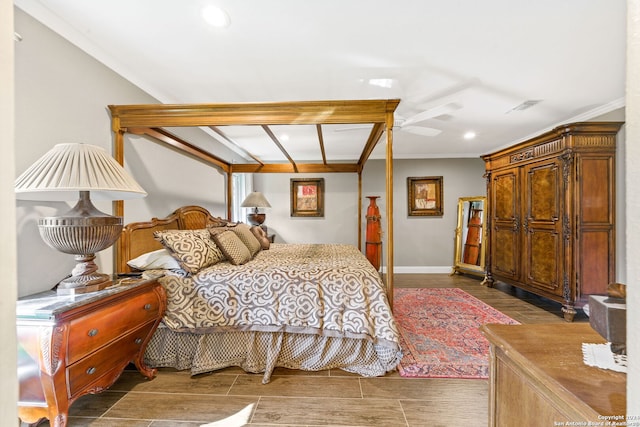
<point x="66" y="172"/>
<point x="255" y="200"/>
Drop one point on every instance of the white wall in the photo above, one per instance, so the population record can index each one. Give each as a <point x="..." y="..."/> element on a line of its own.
<point x="340" y="221"/>
<point x="8" y="353"/>
<point x="633" y="206"/>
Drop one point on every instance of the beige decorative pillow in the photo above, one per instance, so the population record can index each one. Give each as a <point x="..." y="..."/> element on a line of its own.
<point x="234" y="250"/>
<point x="193" y="249"/>
<point x="243" y="231"/>
<point x="262" y="237"/>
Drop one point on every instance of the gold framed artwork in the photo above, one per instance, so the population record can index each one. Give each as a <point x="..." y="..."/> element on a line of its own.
<point x="425" y="196"/>
<point x="307" y="197"/>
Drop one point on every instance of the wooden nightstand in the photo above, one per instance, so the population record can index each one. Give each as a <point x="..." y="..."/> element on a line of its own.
<point x="69" y="346"/>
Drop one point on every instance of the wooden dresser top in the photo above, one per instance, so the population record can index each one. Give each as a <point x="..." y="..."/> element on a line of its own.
<point x="552" y="354"/>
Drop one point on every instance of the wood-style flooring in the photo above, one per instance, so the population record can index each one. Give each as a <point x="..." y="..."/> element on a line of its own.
<point x="233" y="398"/>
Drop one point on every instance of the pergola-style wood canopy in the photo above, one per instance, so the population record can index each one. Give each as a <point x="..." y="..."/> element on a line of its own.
<point x="152" y="119"/>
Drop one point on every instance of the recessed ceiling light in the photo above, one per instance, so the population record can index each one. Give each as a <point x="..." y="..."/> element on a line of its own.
<point x="215" y="16"/>
<point x="470" y="135"/>
<point x="386" y="83"/>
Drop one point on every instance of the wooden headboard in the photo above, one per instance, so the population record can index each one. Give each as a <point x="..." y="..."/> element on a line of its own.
<point x="137" y="237"/>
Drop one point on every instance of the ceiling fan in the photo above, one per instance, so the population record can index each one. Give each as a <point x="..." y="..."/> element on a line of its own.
<point x="413" y="124"/>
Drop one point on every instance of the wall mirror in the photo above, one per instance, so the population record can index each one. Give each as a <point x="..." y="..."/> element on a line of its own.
<point x="470" y="236"/>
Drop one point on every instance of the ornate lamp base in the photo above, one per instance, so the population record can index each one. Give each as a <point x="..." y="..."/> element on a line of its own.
<point x="94" y="283"/>
<point x="84" y="278"/>
<point x="256" y="218"/>
<point x="82" y="232"/>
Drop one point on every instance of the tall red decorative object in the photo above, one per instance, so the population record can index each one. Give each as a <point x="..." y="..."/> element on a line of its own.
<point x="373" y="239"/>
<point x="472" y="245"/>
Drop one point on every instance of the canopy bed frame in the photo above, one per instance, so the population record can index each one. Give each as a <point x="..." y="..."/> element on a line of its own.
<point x="150" y="120"/>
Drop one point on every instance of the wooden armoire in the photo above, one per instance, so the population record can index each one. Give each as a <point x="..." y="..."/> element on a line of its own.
<point x="551" y="213"/>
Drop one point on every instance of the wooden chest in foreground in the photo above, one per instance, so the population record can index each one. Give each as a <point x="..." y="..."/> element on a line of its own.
<point x="537" y="377"/>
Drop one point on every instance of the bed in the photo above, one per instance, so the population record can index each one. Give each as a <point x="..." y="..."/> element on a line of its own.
<point x="298" y="306"/>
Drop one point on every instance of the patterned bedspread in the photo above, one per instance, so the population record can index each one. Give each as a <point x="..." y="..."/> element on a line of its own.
<point x="324" y="289"/>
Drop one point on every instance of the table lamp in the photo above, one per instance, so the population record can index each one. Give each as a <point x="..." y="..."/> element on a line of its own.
<point x="67" y="172"/>
<point x="255" y="200"/>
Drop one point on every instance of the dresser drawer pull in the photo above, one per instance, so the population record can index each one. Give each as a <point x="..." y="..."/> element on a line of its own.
<point x="148" y="307"/>
<point x="138" y="341"/>
<point x="91" y="370"/>
<point x="93" y="332"/>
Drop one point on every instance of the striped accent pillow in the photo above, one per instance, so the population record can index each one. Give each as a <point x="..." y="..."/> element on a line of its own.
<point x="232" y="247"/>
<point x="243" y="231"/>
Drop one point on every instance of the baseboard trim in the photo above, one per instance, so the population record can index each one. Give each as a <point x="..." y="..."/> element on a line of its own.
<point x="420" y="269"/>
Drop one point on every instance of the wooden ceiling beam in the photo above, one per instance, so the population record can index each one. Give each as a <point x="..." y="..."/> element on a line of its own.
<point x="267" y="113"/>
<point x="374" y="137"/>
<point x="321" y="140"/>
<point x="299" y="168"/>
<point x="175" y="142"/>
<point x="234" y="143"/>
<point x="275" y="141"/>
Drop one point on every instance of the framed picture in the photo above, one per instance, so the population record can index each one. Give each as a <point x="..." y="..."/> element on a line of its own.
<point x="425" y="196"/>
<point x="307" y="197"/>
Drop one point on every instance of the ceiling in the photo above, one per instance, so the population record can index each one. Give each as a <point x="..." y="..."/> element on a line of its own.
<point x="504" y="69"/>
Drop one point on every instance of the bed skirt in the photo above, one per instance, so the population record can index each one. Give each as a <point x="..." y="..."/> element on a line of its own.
<point x="262" y="352"/>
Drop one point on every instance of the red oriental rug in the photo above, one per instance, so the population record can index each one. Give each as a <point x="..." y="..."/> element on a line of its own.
<point x="439" y="332"/>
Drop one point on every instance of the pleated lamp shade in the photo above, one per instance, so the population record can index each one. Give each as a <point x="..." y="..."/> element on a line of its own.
<point x="67" y="169"/>
<point x="255" y="200"/>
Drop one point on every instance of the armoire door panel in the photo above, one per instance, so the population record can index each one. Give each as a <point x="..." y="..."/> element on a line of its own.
<point x="542" y="228"/>
<point x="543" y="192"/>
<point x="595" y="190"/>
<point x="504" y="252"/>
<point x="542" y="266"/>
<point x="595" y="266"/>
<point x="506" y="224"/>
<point x="505" y="188"/>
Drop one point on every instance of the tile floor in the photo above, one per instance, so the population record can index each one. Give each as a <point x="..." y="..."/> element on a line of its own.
<point x="233" y="398"/>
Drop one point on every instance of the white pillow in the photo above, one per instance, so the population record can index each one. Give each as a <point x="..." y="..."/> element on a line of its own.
<point x="156" y="260"/>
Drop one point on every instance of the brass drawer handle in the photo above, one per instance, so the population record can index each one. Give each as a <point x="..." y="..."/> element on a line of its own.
<point x="138" y="341"/>
<point x="148" y="307"/>
<point x="91" y="371"/>
<point x="93" y="332"/>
